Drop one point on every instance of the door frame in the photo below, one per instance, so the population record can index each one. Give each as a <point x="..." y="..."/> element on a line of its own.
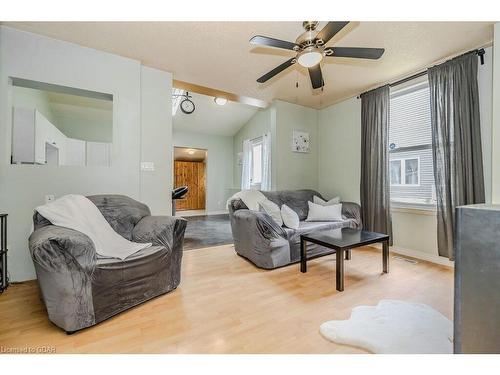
<point x="206" y="171"/>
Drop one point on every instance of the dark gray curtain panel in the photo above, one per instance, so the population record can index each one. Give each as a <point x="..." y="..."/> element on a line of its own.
<point x="456" y="142"/>
<point x="375" y="189"/>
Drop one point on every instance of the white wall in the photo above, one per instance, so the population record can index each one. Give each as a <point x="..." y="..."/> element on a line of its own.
<point x="339" y="135"/>
<point x="22" y="188"/>
<point x="220" y="161"/>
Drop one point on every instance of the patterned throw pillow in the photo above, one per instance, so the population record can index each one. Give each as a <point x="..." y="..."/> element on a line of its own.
<point x="322" y="202"/>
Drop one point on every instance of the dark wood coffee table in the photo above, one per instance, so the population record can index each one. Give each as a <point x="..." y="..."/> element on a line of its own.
<point x="342" y="241"/>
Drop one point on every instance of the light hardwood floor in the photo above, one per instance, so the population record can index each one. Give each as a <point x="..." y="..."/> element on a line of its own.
<point x="224" y="304"/>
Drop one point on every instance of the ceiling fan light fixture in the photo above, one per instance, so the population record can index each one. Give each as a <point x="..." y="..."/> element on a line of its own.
<point x="220" y="101"/>
<point x="310" y="57"/>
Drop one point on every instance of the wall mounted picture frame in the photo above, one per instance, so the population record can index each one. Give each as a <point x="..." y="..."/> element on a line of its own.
<point x="300" y="141"/>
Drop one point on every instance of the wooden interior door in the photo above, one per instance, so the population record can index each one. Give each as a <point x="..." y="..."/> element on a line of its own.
<point x="190" y="174"/>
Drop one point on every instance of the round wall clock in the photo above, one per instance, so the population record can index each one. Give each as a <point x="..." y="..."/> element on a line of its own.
<point x="187" y="106"/>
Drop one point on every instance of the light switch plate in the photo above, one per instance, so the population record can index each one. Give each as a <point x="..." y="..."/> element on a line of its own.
<point x="147" y="166"/>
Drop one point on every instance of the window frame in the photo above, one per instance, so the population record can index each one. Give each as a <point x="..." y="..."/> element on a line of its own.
<point x="403" y="171"/>
<point x="256" y="142"/>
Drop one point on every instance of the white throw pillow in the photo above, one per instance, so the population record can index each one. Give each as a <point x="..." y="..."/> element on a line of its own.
<point x="318" y="212"/>
<point x="322" y="202"/>
<point x="290" y="217"/>
<point x="272" y="209"/>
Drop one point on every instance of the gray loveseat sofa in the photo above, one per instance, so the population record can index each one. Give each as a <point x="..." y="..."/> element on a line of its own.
<point x="258" y="238"/>
<point x="80" y="288"/>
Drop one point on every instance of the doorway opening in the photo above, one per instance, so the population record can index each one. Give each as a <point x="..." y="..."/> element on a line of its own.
<point x="190" y="170"/>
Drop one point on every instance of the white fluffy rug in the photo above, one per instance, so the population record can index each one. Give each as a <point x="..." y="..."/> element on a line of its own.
<point x="393" y="327"/>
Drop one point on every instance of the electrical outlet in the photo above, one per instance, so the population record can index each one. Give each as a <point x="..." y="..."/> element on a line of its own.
<point x="49" y="198"/>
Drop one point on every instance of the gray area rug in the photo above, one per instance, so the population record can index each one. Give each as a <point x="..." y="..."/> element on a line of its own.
<point x="206" y="231"/>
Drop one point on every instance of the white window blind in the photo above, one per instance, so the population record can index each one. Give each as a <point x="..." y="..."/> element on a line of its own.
<point x="410" y="145"/>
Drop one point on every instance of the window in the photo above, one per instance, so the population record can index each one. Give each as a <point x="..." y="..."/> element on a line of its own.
<point x="410" y="145"/>
<point x="256" y="166"/>
<point x="176" y="99"/>
<point x="405" y="171"/>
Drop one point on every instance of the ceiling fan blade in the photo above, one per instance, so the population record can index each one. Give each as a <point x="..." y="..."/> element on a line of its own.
<point x="277" y="70"/>
<point x="271" y="42"/>
<point x="316" y="76"/>
<point x="329" y="31"/>
<point x="355" y="52"/>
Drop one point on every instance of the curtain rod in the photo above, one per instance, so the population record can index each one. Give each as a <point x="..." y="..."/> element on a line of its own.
<point x="479" y="51"/>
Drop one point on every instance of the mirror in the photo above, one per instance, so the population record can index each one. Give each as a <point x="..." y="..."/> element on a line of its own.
<point x="60" y="126"/>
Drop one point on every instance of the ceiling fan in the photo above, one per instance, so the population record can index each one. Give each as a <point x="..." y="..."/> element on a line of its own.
<point x="310" y="49"/>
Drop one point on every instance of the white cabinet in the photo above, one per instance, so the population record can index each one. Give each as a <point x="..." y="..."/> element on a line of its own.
<point x="75" y="152"/>
<point x="98" y="154"/>
<point x="35" y="140"/>
<point x="23" y="135"/>
<point x="54" y="139"/>
<point x="49" y="141"/>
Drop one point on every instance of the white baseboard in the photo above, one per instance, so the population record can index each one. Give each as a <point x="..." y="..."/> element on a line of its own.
<point x="199" y="213"/>
<point x="419" y="255"/>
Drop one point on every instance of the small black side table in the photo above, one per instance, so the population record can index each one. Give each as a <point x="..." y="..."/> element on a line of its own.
<point x="343" y="240"/>
<point x="4" y="281"/>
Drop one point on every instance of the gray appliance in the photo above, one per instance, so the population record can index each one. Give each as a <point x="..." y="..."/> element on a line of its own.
<point x="477" y="279"/>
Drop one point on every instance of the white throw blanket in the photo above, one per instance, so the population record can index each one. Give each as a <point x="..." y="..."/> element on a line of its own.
<point x="79" y="213"/>
<point x="251" y="198"/>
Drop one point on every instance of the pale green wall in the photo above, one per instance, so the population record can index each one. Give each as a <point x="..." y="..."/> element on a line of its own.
<point x="495" y="186"/>
<point x="295" y="170"/>
<point x="290" y="170"/>
<point x="31" y="98"/>
<point x="23" y="187"/>
<point x="220" y="161"/>
<point x="485" y="87"/>
<point x="259" y="124"/>
<point x="339" y="133"/>
<point x="340" y="170"/>
<point x="87" y="124"/>
<point x="156" y="140"/>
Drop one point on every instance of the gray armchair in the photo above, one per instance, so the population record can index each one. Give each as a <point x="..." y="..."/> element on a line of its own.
<point x="80" y="288"/>
<point x="261" y="240"/>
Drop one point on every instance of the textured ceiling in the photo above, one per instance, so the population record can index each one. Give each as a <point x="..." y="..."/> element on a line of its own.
<point x="210" y="118"/>
<point x="218" y="55"/>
